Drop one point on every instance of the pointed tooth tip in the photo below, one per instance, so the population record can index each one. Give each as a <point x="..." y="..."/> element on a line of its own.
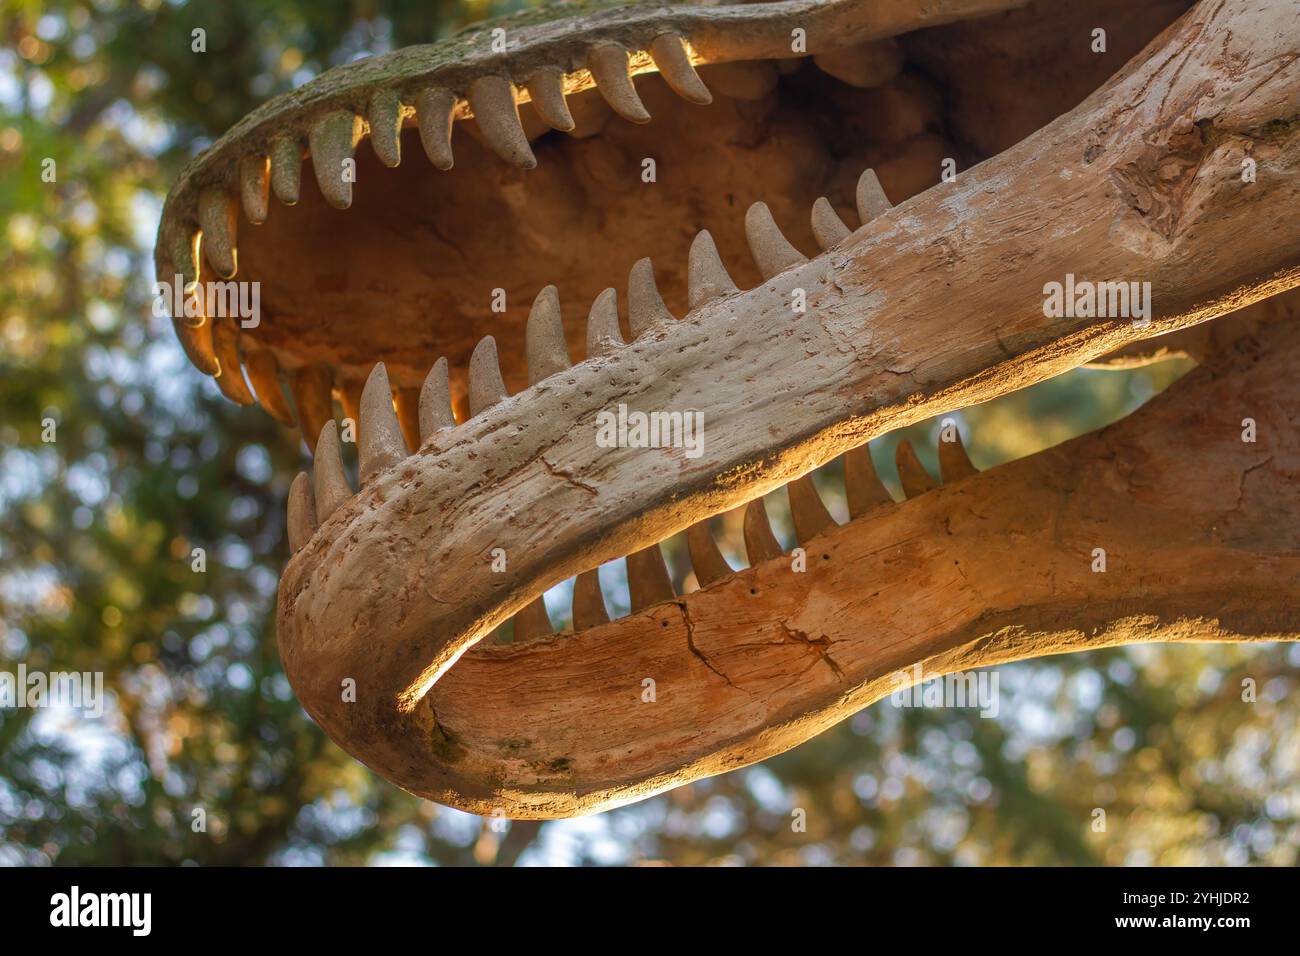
<point x="379" y="440"/>
<point x="492" y="100"/>
<point x="609" y="66"/>
<point x="669" y="53"/>
<point x="707" y="278"/>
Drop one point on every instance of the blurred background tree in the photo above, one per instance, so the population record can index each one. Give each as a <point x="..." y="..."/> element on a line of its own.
<point x="98" y="531"/>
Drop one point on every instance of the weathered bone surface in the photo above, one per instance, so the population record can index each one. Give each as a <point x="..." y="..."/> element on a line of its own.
<point x="934" y="304"/>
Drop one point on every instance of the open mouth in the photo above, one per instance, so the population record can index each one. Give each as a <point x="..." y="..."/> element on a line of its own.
<point x="784" y="229"/>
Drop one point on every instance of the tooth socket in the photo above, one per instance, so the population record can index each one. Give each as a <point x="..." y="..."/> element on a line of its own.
<point x="313" y="397"/>
<point x="911" y="473"/>
<point x="264" y="375"/>
<point x="808" y="510"/>
<point x="707" y="278"/>
<point x="433" y="109"/>
<point x="230" y="379"/>
<point x="492" y="100"/>
<point x="255" y="187"/>
<point x="760" y="543"/>
<point x="218" y="218"/>
<point x="301" y="521"/>
<point x="546" y="90"/>
<point x="669" y="53"/>
<point x="647" y="578"/>
<point x="333" y="142"/>
<point x="772" y="252"/>
<point x="862" y="485"/>
<point x="828" y="228"/>
<point x="706" y="558"/>
<point x="954" y="462"/>
<point x="609" y="67"/>
<point x="384" y="116"/>
<point x="588" y="603"/>
<point x="286" y="169"/>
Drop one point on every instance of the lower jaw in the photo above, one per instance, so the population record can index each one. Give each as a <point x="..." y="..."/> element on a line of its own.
<point x="993" y="568"/>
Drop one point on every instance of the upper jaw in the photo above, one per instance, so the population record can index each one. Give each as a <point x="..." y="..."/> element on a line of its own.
<point x="433" y="86"/>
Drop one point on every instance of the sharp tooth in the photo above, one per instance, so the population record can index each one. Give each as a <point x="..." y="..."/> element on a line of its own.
<point x="706" y="559"/>
<point x="645" y="306"/>
<point x="544" y="337"/>
<point x="760" y="543"/>
<point x="954" y="462"/>
<point x="435" y="401"/>
<point x="533" y="621"/>
<point x="302" y="512"/>
<point x="745" y="80"/>
<point x="286" y="169"/>
<point x="588" y="603"/>
<point x="314" y="399"/>
<point x="379" y="442"/>
<point x="867" y="65"/>
<point x="669" y="54"/>
<point x="603" y="333"/>
<point x="493" y="101"/>
<point x="230" y="379"/>
<point x="485" y="385"/>
<point x="255" y="187"/>
<point x="333" y="142"/>
<point x="828" y="228"/>
<point x="609" y="67"/>
<point x="862" y="486"/>
<point x="707" y="278"/>
<point x="264" y="374"/>
<point x="546" y="89"/>
<point x="183" y="254"/>
<point x="407" y="402"/>
<point x="196" y="340"/>
<point x="433" y="108"/>
<point x="332" y="488"/>
<point x="872" y="201"/>
<point x="772" y="252"/>
<point x="911" y="473"/>
<point x="647" y="578"/>
<point x="218" y="217"/>
<point x="807" y="509"/>
<point x="385" y="119"/>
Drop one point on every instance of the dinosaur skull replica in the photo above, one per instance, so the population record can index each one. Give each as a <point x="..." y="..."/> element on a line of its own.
<point x="477" y="434"/>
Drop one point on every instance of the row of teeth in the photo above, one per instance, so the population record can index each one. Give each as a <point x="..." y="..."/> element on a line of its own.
<point x="312" y="386"/>
<point x="491" y="101"/>
<point x="382" y="441"/>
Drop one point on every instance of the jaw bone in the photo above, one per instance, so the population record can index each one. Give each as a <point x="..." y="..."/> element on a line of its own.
<point x="1142" y="182"/>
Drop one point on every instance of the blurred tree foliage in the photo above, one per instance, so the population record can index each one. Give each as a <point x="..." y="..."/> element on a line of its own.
<point x="98" y="531"/>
